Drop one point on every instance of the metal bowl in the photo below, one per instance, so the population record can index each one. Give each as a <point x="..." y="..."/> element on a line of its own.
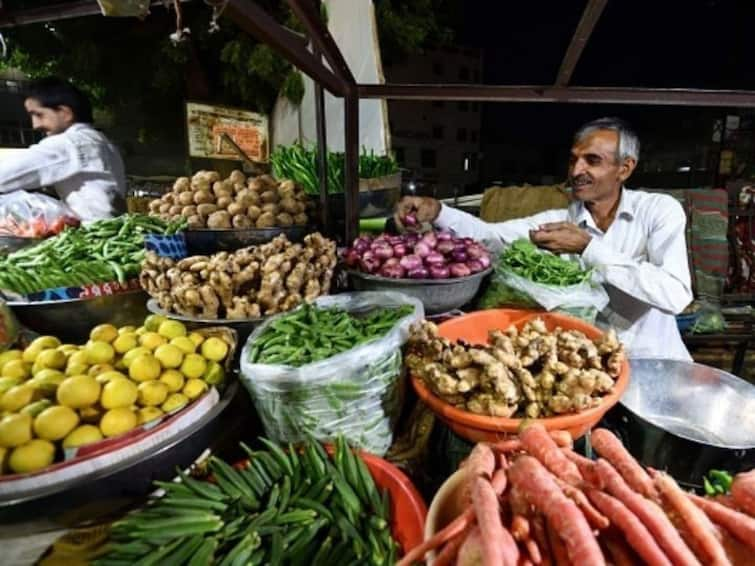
<point x="437" y="295"/>
<point x="10" y="244"/>
<point x="243" y="327"/>
<point x="103" y="491"/>
<point x="73" y="319"/>
<point x="204" y="242"/>
<point x="686" y="418"/>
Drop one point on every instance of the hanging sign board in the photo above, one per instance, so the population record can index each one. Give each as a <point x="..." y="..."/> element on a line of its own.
<point x="209" y="127"/>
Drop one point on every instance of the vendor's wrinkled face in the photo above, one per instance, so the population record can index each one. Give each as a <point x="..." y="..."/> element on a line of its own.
<point x="48" y="120"/>
<point x="594" y="171"/>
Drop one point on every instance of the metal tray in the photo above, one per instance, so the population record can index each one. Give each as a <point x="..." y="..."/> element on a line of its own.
<point x="104" y="491"/>
<point x="72" y="319"/>
<point x="205" y="242"/>
<point x="437" y="295"/>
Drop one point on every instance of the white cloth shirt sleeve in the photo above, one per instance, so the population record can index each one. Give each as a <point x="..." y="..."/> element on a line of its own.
<point x="495" y="235"/>
<point x="662" y="279"/>
<point x="50" y="161"/>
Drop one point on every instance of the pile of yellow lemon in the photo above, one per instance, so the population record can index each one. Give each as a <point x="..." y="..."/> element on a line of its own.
<point x="62" y="394"/>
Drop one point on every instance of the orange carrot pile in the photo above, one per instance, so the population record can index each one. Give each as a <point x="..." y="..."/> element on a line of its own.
<point x="533" y="501"/>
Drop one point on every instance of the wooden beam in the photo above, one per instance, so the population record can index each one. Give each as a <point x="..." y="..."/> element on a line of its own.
<point x="584" y="29"/>
<point x="595" y="95"/>
<point x="309" y="16"/>
<point x="254" y="20"/>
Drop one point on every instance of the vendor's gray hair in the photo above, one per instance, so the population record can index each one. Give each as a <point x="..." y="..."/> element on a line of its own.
<point x="629" y="143"/>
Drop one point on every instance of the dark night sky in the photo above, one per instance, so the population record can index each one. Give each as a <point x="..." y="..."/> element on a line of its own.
<point x="636" y="43"/>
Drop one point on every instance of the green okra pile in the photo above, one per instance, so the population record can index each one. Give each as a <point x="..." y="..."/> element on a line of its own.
<point x="310" y="334"/>
<point x="298" y="506"/>
<point x="102" y="251"/>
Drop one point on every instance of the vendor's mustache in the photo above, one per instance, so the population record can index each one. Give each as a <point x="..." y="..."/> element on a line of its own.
<point x="581" y="179"/>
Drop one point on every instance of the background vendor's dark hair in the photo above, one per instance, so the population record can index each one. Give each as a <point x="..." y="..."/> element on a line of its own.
<point x="52" y="92"/>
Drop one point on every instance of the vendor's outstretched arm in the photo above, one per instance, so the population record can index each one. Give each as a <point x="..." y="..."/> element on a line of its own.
<point x="496" y="235"/>
<point x="663" y="279"/>
<point x="42" y="164"/>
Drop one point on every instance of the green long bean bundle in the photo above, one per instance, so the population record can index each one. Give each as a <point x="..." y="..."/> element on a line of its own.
<point x="525" y="259"/>
<point x="310" y="334"/>
<point x="300" y="164"/>
<point x="102" y="251"/>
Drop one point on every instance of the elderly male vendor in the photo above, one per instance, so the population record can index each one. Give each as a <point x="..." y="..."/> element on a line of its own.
<point x="634" y="240"/>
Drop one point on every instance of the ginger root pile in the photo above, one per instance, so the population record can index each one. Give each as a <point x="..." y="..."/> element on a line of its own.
<point x="521" y="373"/>
<point x="248" y="283"/>
<point x="206" y="201"/>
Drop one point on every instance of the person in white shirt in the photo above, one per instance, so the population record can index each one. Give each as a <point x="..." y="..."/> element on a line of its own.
<point x="634" y="240"/>
<point x="79" y="162"/>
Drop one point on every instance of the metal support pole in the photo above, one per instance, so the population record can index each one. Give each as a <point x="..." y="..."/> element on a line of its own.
<point x="322" y="155"/>
<point x="351" y="149"/>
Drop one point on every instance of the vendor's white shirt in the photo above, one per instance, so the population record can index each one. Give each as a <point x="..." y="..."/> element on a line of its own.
<point x="85" y="169"/>
<point x="641" y="259"/>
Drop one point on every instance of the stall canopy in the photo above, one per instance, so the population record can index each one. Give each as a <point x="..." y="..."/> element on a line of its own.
<point x="320" y="58"/>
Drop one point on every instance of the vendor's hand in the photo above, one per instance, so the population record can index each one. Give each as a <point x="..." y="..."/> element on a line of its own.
<point x="413" y="212"/>
<point x="561" y="238"/>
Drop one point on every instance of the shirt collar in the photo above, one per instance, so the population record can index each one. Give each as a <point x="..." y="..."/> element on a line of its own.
<point x="626" y="210"/>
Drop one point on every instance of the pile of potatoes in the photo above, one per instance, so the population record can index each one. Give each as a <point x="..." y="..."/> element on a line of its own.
<point x="207" y="202"/>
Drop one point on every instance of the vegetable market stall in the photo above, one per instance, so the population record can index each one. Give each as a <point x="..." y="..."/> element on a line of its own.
<point x="240" y="493"/>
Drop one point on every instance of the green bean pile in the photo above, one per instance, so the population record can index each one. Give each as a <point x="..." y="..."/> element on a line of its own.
<point x="311" y="334"/>
<point x="105" y="250"/>
<point x="299" y="164"/>
<point x="525" y="259"/>
<point x="298" y="506"/>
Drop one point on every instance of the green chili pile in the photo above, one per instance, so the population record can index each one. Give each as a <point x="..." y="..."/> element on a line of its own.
<point x="102" y="251"/>
<point x="717" y="482"/>
<point x="298" y="506"/>
<point x="311" y="334"/>
<point x="525" y="259"/>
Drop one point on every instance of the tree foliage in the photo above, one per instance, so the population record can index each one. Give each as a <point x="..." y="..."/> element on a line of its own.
<point x="136" y="74"/>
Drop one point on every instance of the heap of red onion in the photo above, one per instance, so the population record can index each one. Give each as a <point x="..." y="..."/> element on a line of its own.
<point x="432" y="255"/>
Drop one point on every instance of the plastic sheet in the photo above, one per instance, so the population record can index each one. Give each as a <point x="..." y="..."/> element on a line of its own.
<point x="507" y="289"/>
<point x="356" y="393"/>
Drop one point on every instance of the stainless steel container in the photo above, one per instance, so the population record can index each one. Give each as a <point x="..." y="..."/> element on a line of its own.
<point x="437" y="295"/>
<point x="686" y="418"/>
<point x="205" y="242"/>
<point x="72" y="319"/>
<point x="10" y="244"/>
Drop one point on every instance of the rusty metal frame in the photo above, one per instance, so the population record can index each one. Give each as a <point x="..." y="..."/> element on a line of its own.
<point x="595" y="95"/>
<point x="587" y="22"/>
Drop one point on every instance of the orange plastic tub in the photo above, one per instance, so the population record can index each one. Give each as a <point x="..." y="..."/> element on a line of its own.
<point x="474" y="328"/>
<point x="408" y="509"/>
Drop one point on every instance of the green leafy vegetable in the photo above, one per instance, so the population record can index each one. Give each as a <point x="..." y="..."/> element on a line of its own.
<point x="527" y="260"/>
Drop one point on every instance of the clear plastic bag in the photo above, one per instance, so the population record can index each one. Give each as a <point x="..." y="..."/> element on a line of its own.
<point x="357" y="393"/>
<point x="33" y="215"/>
<point x="507" y="289"/>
